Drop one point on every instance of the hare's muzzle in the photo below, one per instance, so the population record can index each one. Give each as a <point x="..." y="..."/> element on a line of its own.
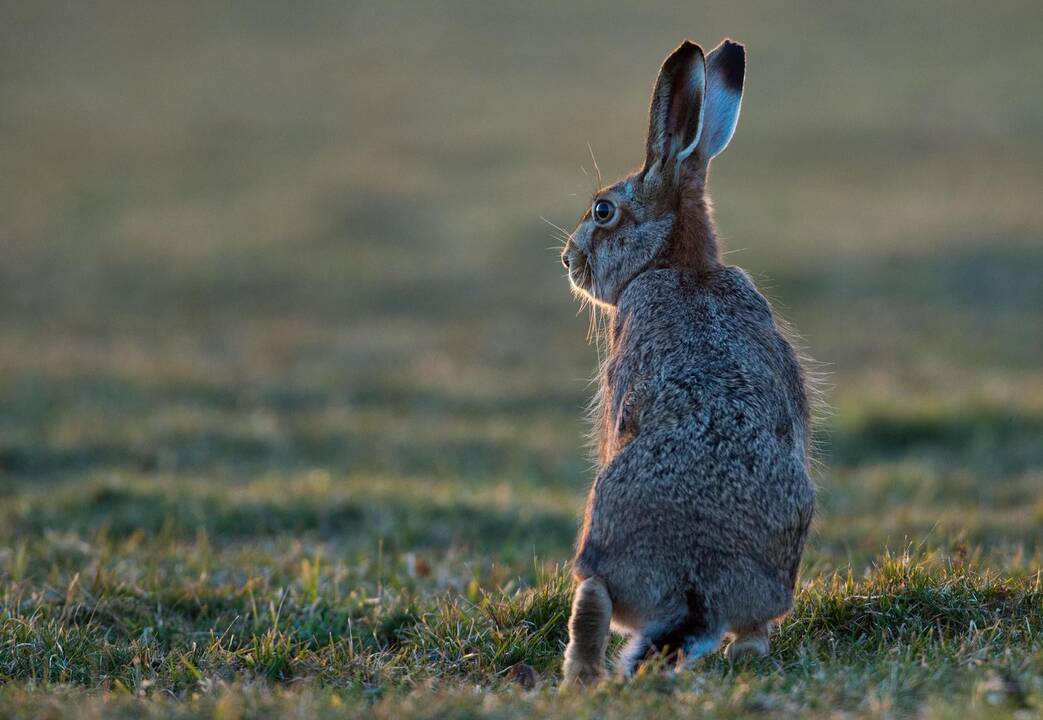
<point x="578" y="266"/>
<point x="573" y="258"/>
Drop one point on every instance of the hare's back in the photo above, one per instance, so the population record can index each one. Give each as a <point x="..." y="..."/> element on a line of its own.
<point x="712" y="345"/>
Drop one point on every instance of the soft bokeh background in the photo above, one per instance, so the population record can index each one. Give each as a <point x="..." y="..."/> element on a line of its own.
<point x="246" y="244"/>
<point x="274" y="281"/>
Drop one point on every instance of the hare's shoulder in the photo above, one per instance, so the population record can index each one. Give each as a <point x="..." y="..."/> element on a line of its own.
<point x="675" y="309"/>
<point x="728" y="287"/>
<point x="709" y="341"/>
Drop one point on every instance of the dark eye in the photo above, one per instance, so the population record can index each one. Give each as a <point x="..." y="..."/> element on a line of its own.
<point x="603" y="211"/>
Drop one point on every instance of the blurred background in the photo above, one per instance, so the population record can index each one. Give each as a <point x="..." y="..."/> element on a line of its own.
<point x="274" y="272"/>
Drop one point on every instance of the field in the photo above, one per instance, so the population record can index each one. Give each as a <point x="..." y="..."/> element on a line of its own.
<point x="292" y="388"/>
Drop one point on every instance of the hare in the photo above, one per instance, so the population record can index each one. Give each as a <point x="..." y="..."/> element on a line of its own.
<point x="697" y="518"/>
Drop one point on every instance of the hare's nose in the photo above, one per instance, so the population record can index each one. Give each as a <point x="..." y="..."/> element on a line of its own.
<point x="565" y="259"/>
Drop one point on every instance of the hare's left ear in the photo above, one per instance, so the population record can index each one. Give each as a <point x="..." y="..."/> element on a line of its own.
<point x="725" y="73"/>
<point x="675" y="118"/>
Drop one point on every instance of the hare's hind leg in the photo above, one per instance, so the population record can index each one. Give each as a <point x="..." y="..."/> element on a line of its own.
<point x="588" y="634"/>
<point x="749" y="642"/>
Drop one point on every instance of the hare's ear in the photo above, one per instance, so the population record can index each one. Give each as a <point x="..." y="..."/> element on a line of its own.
<point x="676" y="115"/>
<point x="725" y="73"/>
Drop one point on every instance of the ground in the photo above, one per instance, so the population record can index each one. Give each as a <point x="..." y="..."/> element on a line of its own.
<point x="292" y="392"/>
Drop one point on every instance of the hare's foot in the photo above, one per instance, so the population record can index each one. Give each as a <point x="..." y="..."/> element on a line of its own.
<point x="749" y="642"/>
<point x="577" y="671"/>
<point x="588" y="634"/>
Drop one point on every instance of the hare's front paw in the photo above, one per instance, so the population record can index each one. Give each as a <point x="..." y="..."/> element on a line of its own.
<point x="576" y="671"/>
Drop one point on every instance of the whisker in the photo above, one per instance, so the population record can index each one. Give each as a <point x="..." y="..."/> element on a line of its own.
<point x="595" y="161"/>
<point x="593" y="181"/>
<point x="557" y="227"/>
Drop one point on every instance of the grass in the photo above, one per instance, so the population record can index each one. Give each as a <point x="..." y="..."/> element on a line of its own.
<point x="192" y="636"/>
<point x="291" y="393"/>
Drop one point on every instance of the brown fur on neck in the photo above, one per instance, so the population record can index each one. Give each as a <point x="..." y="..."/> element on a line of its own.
<point x="693" y="243"/>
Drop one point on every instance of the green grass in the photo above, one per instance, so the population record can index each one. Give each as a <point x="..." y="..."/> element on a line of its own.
<point x="292" y="392"/>
<point x="192" y="635"/>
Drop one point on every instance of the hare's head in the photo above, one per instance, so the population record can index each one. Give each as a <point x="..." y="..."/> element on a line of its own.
<point x="660" y="215"/>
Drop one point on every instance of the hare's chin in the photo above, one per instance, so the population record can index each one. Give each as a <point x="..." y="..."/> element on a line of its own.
<point x="581" y="280"/>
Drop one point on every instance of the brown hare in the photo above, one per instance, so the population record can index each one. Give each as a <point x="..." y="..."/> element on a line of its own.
<point x="696" y="521"/>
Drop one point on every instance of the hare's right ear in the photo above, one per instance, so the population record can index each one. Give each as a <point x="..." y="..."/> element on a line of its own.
<point x="725" y="73"/>
<point x="676" y="116"/>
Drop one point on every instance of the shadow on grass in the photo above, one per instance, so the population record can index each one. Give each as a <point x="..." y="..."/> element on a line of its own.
<point x="998" y="276"/>
<point x="404" y="517"/>
<point x="242" y="454"/>
<point x="1004" y="439"/>
<point x="984" y="437"/>
<point x="384" y="427"/>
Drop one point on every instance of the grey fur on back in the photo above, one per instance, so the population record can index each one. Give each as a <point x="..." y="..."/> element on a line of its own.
<point x="703" y="496"/>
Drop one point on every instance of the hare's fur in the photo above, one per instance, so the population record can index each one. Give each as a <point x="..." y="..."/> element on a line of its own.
<point x="696" y="521"/>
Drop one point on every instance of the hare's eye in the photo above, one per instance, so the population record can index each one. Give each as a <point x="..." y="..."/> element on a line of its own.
<point x="603" y="211"/>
